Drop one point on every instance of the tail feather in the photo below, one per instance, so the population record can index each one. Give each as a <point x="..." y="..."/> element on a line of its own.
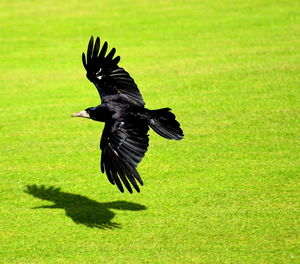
<point x="163" y="122"/>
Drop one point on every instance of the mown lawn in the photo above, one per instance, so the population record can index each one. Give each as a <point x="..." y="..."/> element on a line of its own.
<point x="227" y="193"/>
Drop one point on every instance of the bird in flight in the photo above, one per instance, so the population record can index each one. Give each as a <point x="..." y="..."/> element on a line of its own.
<point x="124" y="139"/>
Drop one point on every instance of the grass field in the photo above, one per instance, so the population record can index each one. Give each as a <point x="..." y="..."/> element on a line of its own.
<point x="227" y="193"/>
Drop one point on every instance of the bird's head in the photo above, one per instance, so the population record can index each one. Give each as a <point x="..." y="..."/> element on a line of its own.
<point x="97" y="113"/>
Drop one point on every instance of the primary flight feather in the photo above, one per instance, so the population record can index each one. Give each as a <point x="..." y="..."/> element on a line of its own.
<point x="124" y="140"/>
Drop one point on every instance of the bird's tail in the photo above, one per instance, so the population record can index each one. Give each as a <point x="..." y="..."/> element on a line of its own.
<point x="163" y="122"/>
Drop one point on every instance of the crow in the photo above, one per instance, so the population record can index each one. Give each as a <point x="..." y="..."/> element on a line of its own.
<point x="124" y="139"/>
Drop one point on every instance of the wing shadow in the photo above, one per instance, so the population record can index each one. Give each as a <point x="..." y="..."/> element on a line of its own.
<point x="81" y="209"/>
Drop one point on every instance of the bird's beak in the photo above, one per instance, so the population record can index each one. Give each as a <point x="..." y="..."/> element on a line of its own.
<point x="83" y="113"/>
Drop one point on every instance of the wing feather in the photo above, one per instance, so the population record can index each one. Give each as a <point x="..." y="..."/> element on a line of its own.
<point x="84" y="61"/>
<point x="107" y="76"/>
<point x="110" y="54"/>
<point x="103" y="51"/>
<point x="123" y="146"/>
<point x="96" y="47"/>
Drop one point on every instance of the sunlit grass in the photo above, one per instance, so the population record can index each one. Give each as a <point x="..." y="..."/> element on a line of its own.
<point x="227" y="193"/>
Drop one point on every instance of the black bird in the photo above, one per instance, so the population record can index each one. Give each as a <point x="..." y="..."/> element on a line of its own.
<point x="124" y="140"/>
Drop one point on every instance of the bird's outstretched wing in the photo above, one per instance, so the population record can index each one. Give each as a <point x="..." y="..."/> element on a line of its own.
<point x="107" y="76"/>
<point x="123" y="146"/>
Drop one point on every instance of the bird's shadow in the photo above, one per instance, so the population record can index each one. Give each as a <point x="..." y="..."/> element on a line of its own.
<point x="81" y="209"/>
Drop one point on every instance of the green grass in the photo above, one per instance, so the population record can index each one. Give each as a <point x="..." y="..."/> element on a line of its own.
<point x="227" y="193"/>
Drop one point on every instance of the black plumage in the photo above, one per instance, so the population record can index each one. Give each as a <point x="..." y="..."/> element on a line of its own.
<point x="124" y="140"/>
